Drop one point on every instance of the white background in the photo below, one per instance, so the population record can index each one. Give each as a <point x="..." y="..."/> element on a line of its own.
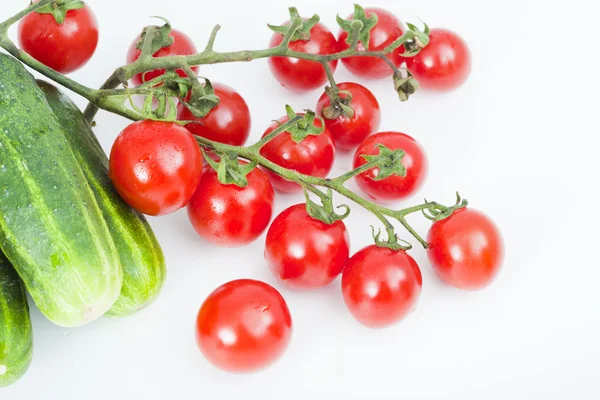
<point x="519" y="140"/>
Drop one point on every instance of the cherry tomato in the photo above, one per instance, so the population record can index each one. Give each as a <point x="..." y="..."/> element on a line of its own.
<point x="313" y="156"/>
<point x="347" y="133"/>
<point x="230" y="215"/>
<point x="466" y="249"/>
<point x="304" y="252"/>
<point x="444" y="65"/>
<point x="381" y="286"/>
<point x="394" y="187"/>
<point x="303" y="75"/>
<point x="388" y="29"/>
<point x="65" y="47"/>
<point x="228" y="122"/>
<point x="243" y="326"/>
<point x="155" y="166"/>
<point x="182" y="46"/>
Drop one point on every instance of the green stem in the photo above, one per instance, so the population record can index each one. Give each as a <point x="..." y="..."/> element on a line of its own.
<point x="292" y="28"/>
<point x="276" y="132"/>
<point x="314" y="190"/>
<point x="357" y="171"/>
<point x="391" y="64"/>
<point x="146" y="53"/>
<point x="414" y="209"/>
<point x="116" y="79"/>
<point x="330" y="77"/>
<point x="282" y="50"/>
<point x="211" y="40"/>
<point x="411" y="230"/>
<point x="375" y="209"/>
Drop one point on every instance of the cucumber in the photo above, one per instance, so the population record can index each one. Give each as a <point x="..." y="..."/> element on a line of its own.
<point x="16" y="338"/>
<point x="141" y="256"/>
<point x="51" y="227"/>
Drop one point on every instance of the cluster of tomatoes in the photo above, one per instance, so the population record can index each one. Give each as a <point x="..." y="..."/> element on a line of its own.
<point x="157" y="168"/>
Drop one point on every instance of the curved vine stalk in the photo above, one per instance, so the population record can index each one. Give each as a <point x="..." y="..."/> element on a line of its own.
<point x="113" y="99"/>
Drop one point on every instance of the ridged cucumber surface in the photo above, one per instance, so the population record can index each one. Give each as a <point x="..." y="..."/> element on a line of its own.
<point x="140" y="253"/>
<point x="16" y="338"/>
<point x="51" y="227"/>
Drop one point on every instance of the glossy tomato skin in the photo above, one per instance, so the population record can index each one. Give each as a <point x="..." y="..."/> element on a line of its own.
<point x="229" y="122"/>
<point x="155" y="166"/>
<point x="303" y="252"/>
<point x="229" y="215"/>
<point x="313" y="156"/>
<point x="243" y="326"/>
<point x="444" y="65"/>
<point x="381" y="286"/>
<point x="304" y="75"/>
<point x="182" y="46"/>
<point x="347" y="133"/>
<point x="466" y="249"/>
<point x="64" y="48"/>
<point x="388" y="29"/>
<point x="394" y="187"/>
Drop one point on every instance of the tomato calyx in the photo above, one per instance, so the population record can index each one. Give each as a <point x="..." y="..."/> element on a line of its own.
<point x="339" y="106"/>
<point x="161" y="36"/>
<point x="419" y="41"/>
<point x="202" y="98"/>
<point x="405" y="85"/>
<point x="388" y="161"/>
<point x="230" y="171"/>
<point x="393" y="242"/>
<point x="325" y="212"/>
<point x="438" y="212"/>
<point x="303" y="31"/>
<point x="59" y="9"/>
<point x="364" y="31"/>
<point x="305" y="126"/>
<point x="165" y="111"/>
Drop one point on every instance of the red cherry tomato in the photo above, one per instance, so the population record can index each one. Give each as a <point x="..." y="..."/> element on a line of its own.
<point x="347" y="133"/>
<point x="243" y="326"/>
<point x="230" y="215"/>
<point x="303" y="75"/>
<point x="313" y="156"/>
<point x="182" y="46"/>
<point x="388" y="29"/>
<point x="228" y="122"/>
<point x="394" y="187"/>
<point x="466" y="249"/>
<point x="64" y="48"/>
<point x="304" y="252"/>
<point x="381" y="286"/>
<point x="155" y="166"/>
<point x="444" y="65"/>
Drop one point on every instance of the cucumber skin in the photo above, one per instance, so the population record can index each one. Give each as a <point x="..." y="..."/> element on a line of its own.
<point x="16" y="337"/>
<point x="142" y="259"/>
<point x="51" y="228"/>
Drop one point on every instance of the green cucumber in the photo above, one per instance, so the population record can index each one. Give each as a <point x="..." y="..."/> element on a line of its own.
<point x="16" y="338"/>
<point x="141" y="256"/>
<point x="51" y="227"/>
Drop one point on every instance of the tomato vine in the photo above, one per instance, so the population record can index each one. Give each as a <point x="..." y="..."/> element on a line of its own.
<point x="114" y="94"/>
